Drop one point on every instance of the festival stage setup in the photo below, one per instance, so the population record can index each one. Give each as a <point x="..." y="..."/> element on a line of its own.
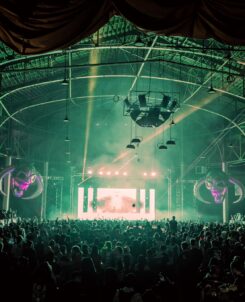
<point x="122" y="109"/>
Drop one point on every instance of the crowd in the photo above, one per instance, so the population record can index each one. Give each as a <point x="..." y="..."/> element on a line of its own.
<point x="5" y="216"/>
<point x="122" y="261"/>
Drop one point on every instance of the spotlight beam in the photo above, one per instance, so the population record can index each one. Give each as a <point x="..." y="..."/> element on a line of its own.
<point x="179" y="117"/>
<point x="93" y="58"/>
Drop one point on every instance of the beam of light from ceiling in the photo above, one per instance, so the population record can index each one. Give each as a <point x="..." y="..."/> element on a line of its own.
<point x="184" y="113"/>
<point x="93" y="59"/>
<point x="179" y="116"/>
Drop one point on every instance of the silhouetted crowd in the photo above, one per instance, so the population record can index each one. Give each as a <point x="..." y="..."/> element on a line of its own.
<point x="6" y="215"/>
<point x="122" y="261"/>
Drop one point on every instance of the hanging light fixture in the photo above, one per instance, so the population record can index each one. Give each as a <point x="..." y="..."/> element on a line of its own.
<point x="172" y="123"/>
<point x="68" y="148"/>
<point x="138" y="41"/>
<point x="136" y="140"/>
<point x="66" y="118"/>
<point x="131" y="145"/>
<point x="211" y="89"/>
<point x="161" y="146"/>
<point x="68" y="154"/>
<point x="171" y="141"/>
<point x="65" y="81"/>
<point x="67" y="138"/>
<point x="230" y="78"/>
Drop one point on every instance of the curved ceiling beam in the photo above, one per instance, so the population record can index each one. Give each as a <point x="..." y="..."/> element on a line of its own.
<point x="8" y="114"/>
<point x="91" y="77"/>
<point x="105" y="76"/>
<point x="242" y="98"/>
<point x="99" y="96"/>
<point x="238" y="73"/>
<point x="164" y="49"/>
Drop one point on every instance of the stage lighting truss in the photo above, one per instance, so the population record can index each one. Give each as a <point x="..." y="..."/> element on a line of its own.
<point x="150" y="109"/>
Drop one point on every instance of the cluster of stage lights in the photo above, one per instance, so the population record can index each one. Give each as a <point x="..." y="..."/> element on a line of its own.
<point x="118" y="173"/>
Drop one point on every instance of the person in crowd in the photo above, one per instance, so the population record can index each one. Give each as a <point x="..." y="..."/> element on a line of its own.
<point x="173" y="225"/>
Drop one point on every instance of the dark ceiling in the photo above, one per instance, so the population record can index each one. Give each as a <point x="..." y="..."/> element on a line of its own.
<point x="101" y="71"/>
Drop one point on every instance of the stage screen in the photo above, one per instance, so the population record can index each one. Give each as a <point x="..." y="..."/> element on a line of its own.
<point x="116" y="203"/>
